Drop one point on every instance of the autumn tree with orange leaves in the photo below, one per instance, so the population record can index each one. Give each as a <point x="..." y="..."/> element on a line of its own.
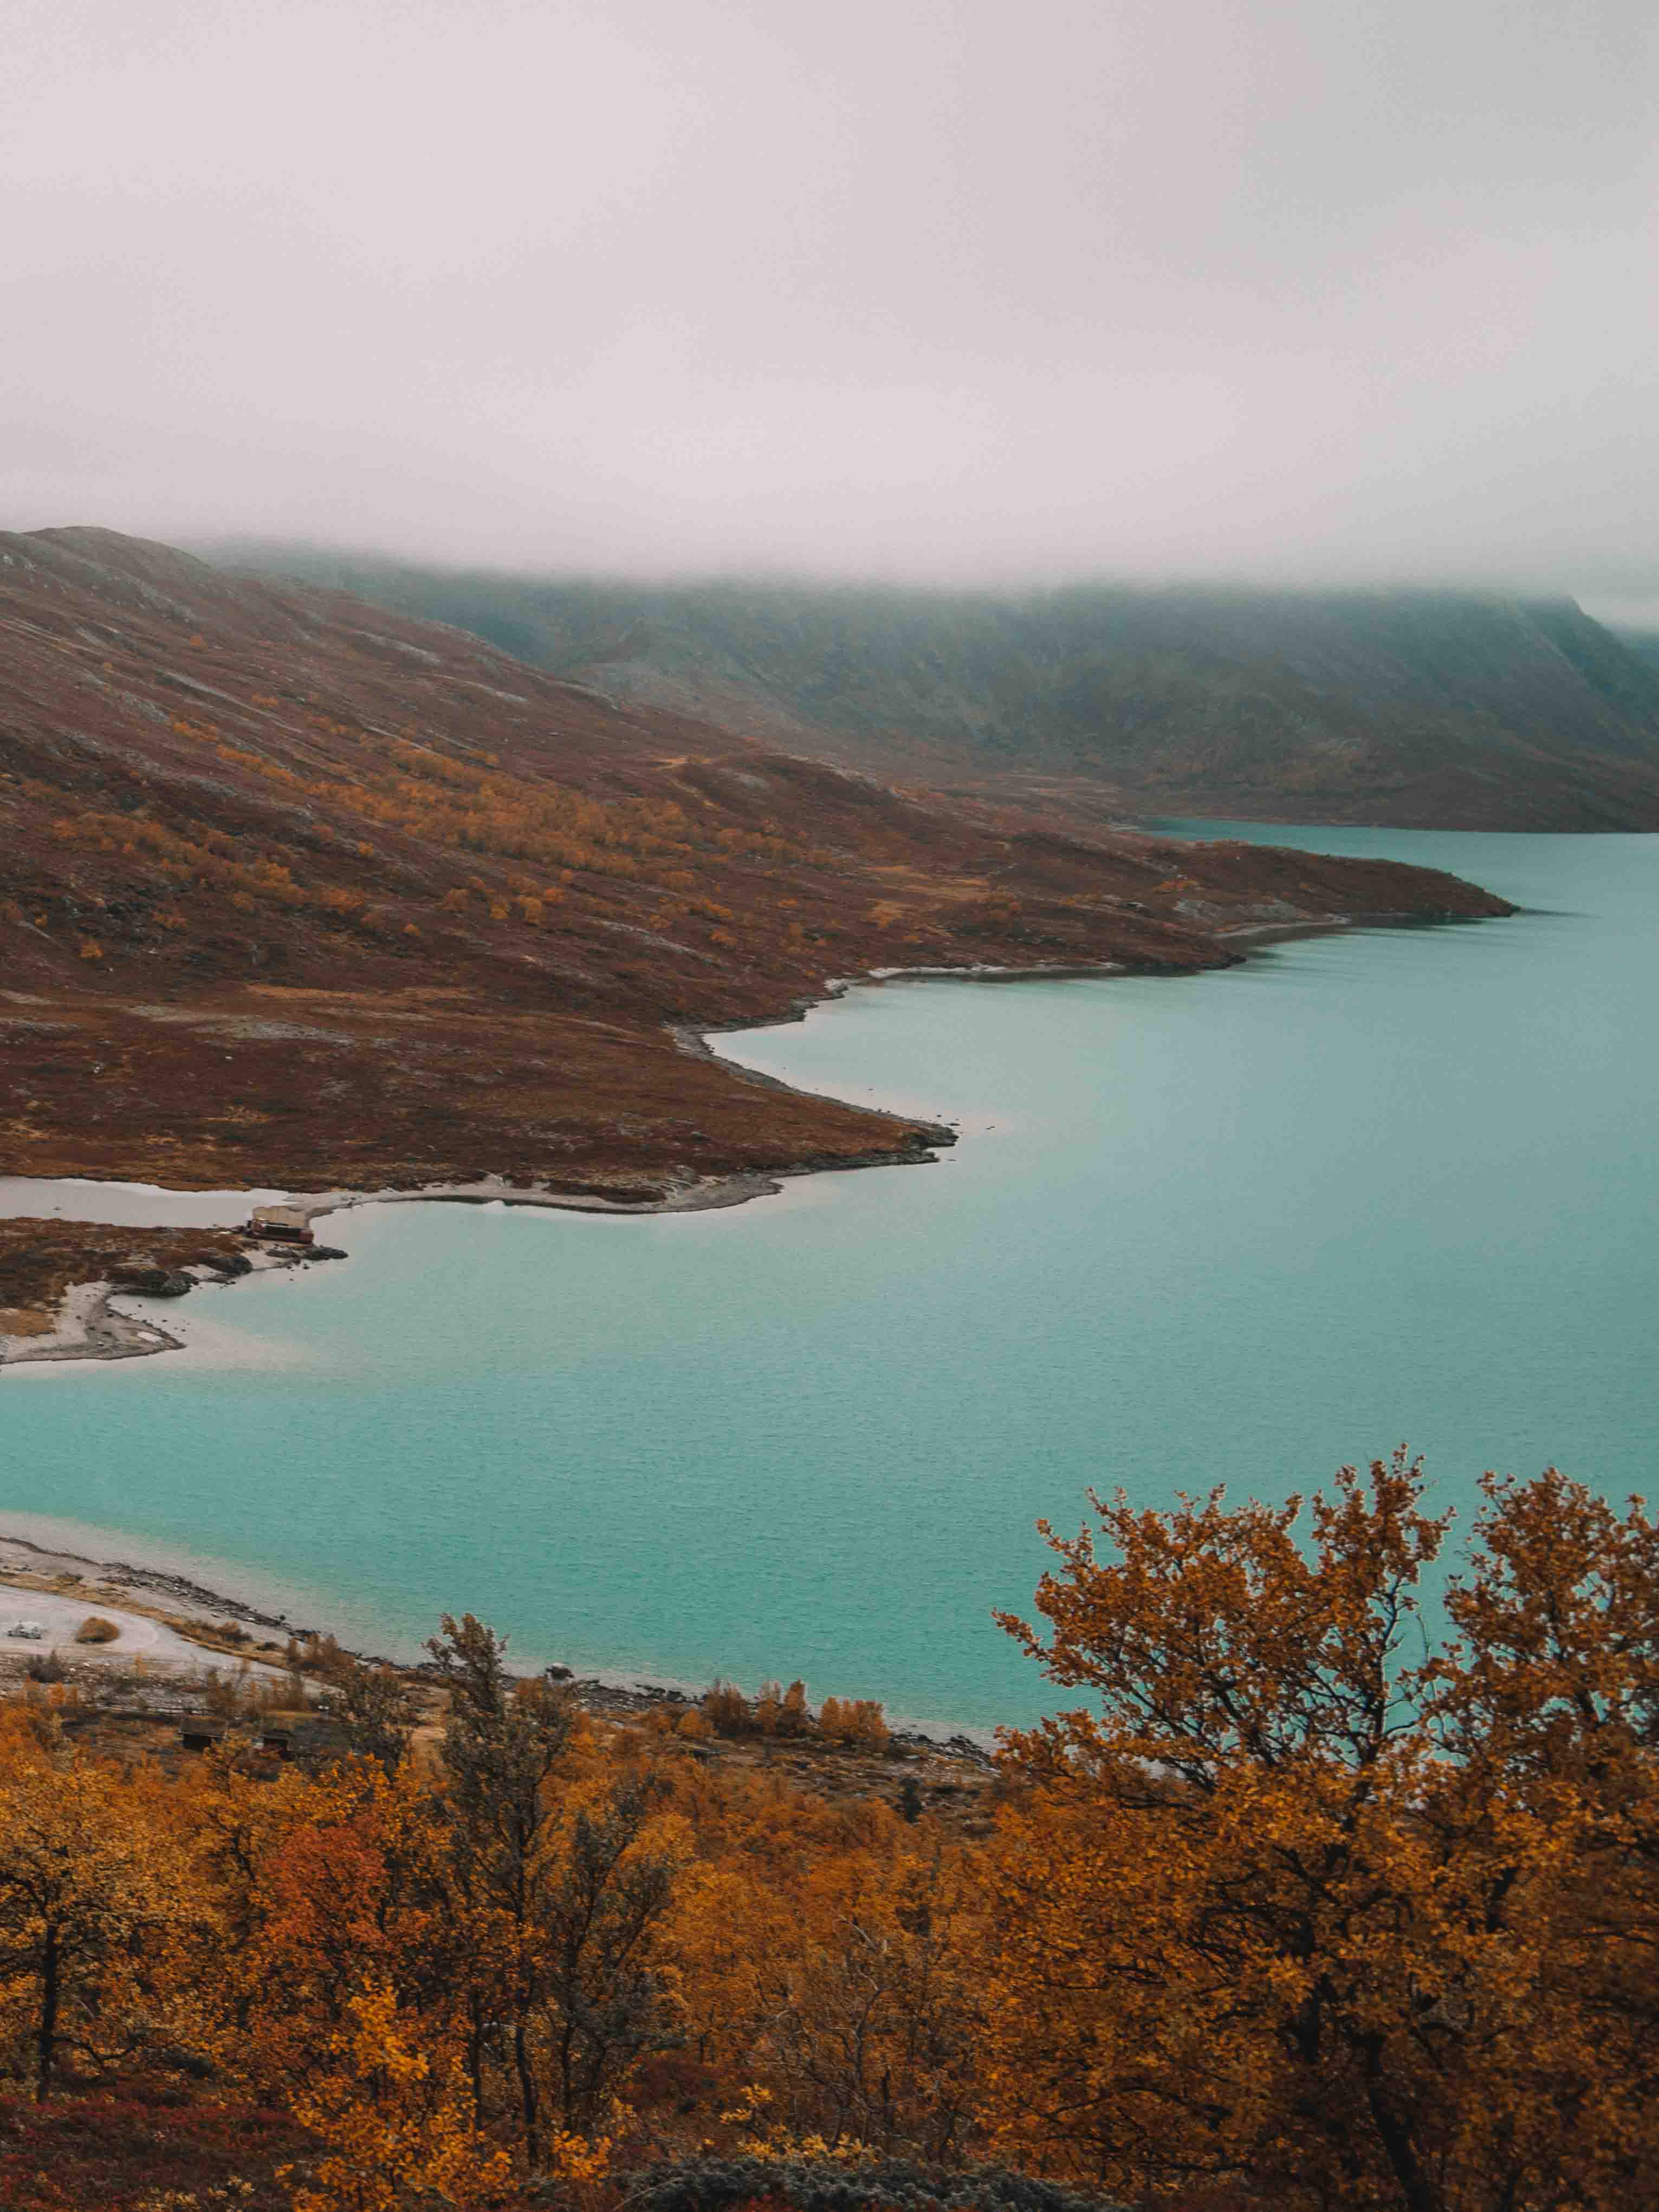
<point x="94" y="1903"/>
<point x="1334" y="1888"/>
<point x="1305" y="1904"/>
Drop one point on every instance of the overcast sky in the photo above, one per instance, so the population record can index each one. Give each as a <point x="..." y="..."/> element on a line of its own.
<point x="1297" y="289"/>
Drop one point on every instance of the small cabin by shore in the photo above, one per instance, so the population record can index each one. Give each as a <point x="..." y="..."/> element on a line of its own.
<point x="315" y="1736"/>
<point x="288" y="1222"/>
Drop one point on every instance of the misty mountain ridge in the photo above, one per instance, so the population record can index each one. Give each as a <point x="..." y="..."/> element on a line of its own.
<point x="1415" y="708"/>
<point x="1643" y="643"/>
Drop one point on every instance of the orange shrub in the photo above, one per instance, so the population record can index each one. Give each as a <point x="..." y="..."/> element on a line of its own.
<point x="858" y="1722"/>
<point x="726" y="1708"/>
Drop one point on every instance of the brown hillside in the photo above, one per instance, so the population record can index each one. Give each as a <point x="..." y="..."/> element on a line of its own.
<point x="297" y="892"/>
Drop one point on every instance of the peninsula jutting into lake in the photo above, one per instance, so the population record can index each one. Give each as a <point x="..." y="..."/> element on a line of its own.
<point x="312" y="895"/>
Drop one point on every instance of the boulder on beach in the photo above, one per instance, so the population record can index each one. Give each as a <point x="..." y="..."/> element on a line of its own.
<point x="152" y="1282"/>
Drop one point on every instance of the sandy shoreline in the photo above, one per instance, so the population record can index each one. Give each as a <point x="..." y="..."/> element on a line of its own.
<point x="89" y="1327"/>
<point x="171" y="1623"/>
<point x="168" y="1627"/>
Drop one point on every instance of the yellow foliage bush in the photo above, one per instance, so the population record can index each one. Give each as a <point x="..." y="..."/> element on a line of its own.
<point x="858" y="1722"/>
<point x="726" y="1708"/>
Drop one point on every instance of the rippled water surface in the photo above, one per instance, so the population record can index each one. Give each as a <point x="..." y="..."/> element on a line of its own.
<point x="1237" y="1228"/>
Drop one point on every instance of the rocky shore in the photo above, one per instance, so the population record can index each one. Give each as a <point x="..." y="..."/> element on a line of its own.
<point x="54" y="1307"/>
<point x="208" y="1628"/>
<point x="60" y="1319"/>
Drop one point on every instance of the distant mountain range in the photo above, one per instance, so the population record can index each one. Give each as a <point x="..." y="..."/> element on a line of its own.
<point x="1645" y="643"/>
<point x="1418" y="708"/>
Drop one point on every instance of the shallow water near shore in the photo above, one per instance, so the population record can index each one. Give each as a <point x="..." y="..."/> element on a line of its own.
<point x="1388" y="1185"/>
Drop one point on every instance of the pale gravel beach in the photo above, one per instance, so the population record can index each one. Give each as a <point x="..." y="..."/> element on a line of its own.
<point x="133" y="1598"/>
<point x="161" y="1652"/>
<point x="89" y="1326"/>
<point x="163" y="1649"/>
<point x="128" y="1204"/>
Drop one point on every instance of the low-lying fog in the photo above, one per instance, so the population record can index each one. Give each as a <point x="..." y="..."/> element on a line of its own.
<point x="1334" y="289"/>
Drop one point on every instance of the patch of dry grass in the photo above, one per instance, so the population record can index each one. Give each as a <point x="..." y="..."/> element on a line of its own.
<point x="24" y="1321"/>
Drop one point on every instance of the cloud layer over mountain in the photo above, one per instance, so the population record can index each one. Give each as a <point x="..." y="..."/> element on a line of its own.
<point x="948" y="289"/>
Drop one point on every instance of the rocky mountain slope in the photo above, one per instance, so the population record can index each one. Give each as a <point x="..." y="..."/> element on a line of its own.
<point x="1643" y="643"/>
<point x="296" y="892"/>
<point x="1420" y="709"/>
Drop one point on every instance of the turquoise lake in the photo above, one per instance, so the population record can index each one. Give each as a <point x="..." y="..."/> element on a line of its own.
<point x="1381" y="1187"/>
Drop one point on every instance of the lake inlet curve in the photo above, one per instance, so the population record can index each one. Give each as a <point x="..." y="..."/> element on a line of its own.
<point x="1382" y="1186"/>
